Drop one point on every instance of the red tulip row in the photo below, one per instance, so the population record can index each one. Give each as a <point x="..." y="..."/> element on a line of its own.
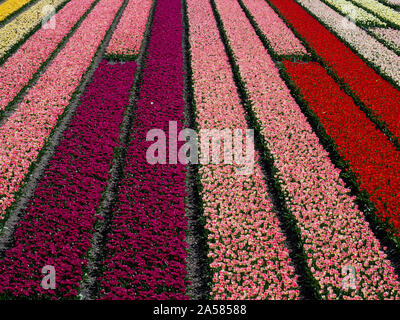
<point x="372" y="157"/>
<point x="381" y="97"/>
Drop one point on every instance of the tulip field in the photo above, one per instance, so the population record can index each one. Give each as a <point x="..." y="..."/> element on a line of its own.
<point x="86" y="85"/>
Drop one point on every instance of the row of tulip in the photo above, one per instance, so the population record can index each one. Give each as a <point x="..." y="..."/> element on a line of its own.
<point x="128" y="36"/>
<point x="10" y="6"/>
<point x="395" y="3"/>
<point x="372" y="157"/>
<point x="334" y="232"/>
<point x="18" y="69"/>
<point x="390" y="36"/>
<point x="58" y="224"/>
<point x="380" y="97"/>
<point x="366" y="46"/>
<point x="382" y="11"/>
<point x="146" y="248"/>
<point x="23" y="25"/>
<point x="247" y="248"/>
<point x="377" y="28"/>
<point x="357" y="14"/>
<point x="281" y="38"/>
<point x="25" y="132"/>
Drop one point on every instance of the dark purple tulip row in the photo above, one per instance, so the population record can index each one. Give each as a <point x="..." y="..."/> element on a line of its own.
<point x="146" y="249"/>
<point x="58" y="224"/>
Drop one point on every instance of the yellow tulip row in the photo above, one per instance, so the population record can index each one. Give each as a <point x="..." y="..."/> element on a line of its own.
<point x="18" y="28"/>
<point x="355" y="13"/>
<point x="380" y="10"/>
<point x="10" y="6"/>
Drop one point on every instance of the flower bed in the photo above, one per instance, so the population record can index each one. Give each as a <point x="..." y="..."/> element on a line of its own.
<point x="335" y="31"/>
<point x="357" y="14"/>
<point x="26" y="131"/>
<point x="20" y="28"/>
<point x="127" y="38"/>
<point x="146" y="248"/>
<point x="333" y="231"/>
<point x="59" y="221"/>
<point x="247" y="248"/>
<point x="281" y="38"/>
<point x="379" y="96"/>
<point x="388" y="35"/>
<point x="372" y="157"/>
<point x="380" y="10"/>
<point x="10" y="6"/>
<point x="16" y="72"/>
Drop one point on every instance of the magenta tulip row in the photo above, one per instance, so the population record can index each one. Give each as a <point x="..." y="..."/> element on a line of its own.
<point x="57" y="226"/>
<point x="26" y="131"/>
<point x="146" y="248"/>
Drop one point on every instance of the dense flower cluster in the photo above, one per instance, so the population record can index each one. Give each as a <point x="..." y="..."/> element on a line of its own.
<point x="389" y="35"/>
<point x="59" y="221"/>
<point x="146" y="248"/>
<point x="376" y="93"/>
<point x="25" y="132"/>
<point x="393" y="2"/>
<point x="359" y="40"/>
<point x="357" y="14"/>
<point x="10" y="6"/>
<point x="16" y="72"/>
<point x="128" y="36"/>
<point x="380" y="10"/>
<point x="15" y="31"/>
<point x="281" y="38"/>
<point x="247" y="248"/>
<point x="333" y="230"/>
<point x="371" y="155"/>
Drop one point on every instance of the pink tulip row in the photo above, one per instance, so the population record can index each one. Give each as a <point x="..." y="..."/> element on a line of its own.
<point x="128" y="36"/>
<point x="334" y="232"/>
<point x="359" y="40"/>
<point x="389" y="35"/>
<point x="246" y="245"/>
<point x="393" y="2"/>
<point x="281" y="38"/>
<point x="25" y="132"/>
<point x="16" y="72"/>
<point x="17" y="30"/>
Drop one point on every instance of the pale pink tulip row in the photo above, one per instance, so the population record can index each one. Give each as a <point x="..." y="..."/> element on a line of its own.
<point x="390" y="35"/>
<point x="246" y="245"/>
<point x="281" y="38"/>
<point x="395" y="2"/>
<point x="129" y="34"/>
<point x="384" y="59"/>
<point x="16" y="72"/>
<point x="334" y="232"/>
<point x="25" y="132"/>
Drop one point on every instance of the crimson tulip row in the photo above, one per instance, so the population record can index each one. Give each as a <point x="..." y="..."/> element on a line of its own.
<point x="380" y="97"/>
<point x="146" y="249"/>
<point x="25" y="132"/>
<point x="57" y="226"/>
